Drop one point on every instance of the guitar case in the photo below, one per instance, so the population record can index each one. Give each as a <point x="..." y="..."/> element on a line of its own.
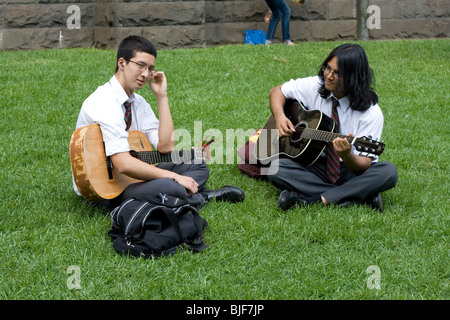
<point x="248" y="163"/>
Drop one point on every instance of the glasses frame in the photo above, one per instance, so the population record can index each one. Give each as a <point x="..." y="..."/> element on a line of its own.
<point x="142" y="66"/>
<point x="327" y="69"/>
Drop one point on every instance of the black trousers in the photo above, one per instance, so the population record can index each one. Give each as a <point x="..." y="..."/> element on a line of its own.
<point x="167" y="191"/>
<point x="286" y="174"/>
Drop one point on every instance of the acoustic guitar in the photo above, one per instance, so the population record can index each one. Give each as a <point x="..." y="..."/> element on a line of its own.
<point x="313" y="131"/>
<point x="93" y="172"/>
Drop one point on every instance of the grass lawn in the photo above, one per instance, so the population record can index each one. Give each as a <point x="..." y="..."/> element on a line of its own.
<point x="256" y="250"/>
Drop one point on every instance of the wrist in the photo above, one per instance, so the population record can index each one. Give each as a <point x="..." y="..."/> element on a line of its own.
<point x="161" y="96"/>
<point x="279" y="116"/>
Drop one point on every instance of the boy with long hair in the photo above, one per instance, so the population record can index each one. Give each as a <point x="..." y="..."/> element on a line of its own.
<point x="344" y="83"/>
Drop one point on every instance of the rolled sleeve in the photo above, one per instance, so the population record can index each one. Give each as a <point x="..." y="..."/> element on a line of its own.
<point x="148" y="123"/>
<point x="116" y="141"/>
<point x="304" y="90"/>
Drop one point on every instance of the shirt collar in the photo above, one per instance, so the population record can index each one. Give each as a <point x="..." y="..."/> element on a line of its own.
<point x="344" y="102"/>
<point x="119" y="93"/>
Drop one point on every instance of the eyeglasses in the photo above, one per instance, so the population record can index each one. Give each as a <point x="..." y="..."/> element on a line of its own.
<point x="327" y="70"/>
<point x="143" y="66"/>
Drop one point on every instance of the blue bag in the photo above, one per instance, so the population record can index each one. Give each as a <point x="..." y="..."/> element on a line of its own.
<point x="255" y="36"/>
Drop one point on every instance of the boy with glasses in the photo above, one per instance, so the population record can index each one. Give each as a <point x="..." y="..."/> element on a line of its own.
<point x="342" y="91"/>
<point x="118" y="109"/>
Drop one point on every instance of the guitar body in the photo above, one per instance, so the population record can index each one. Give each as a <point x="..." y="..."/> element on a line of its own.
<point x="302" y="150"/>
<point x="93" y="178"/>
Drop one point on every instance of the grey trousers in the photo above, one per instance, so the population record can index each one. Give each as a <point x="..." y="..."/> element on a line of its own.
<point x="286" y="174"/>
<point x="167" y="191"/>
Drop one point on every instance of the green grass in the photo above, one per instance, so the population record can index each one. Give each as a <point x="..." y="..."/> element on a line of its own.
<point x="256" y="251"/>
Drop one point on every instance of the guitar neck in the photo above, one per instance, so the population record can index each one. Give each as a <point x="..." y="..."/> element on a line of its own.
<point x="176" y="156"/>
<point x="326" y="136"/>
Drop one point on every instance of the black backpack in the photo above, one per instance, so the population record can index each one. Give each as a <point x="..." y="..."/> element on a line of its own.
<point x="144" y="229"/>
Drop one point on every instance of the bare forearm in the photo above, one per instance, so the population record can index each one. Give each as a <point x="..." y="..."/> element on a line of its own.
<point x="166" y="127"/>
<point x="135" y="168"/>
<point x="356" y="164"/>
<point x="158" y="85"/>
<point x="277" y="101"/>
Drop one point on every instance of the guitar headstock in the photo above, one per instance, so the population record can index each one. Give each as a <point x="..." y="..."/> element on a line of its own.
<point x="202" y="153"/>
<point x="369" y="145"/>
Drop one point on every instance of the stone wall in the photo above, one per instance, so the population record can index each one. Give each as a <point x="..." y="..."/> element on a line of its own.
<point x="40" y="24"/>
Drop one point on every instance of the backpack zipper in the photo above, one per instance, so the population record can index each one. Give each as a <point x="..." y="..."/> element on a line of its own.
<point x="133" y="218"/>
<point x="118" y="209"/>
<point x="146" y="216"/>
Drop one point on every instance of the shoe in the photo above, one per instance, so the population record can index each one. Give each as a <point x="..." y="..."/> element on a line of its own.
<point x="377" y="202"/>
<point x="226" y="193"/>
<point x="288" y="199"/>
<point x="289" y="43"/>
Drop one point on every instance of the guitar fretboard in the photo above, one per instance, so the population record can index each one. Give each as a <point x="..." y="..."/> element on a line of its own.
<point x="177" y="156"/>
<point x="321" y="135"/>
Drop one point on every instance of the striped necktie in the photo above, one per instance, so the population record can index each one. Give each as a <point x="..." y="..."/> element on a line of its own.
<point x="127" y="116"/>
<point x="333" y="164"/>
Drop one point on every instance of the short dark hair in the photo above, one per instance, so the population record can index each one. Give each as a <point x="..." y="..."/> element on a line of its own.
<point x="356" y="75"/>
<point x="131" y="45"/>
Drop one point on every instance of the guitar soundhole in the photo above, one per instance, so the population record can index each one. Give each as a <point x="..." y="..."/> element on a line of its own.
<point x="296" y="136"/>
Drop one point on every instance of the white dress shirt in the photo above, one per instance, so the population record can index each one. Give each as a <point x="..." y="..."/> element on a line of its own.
<point x="359" y="123"/>
<point x="105" y="107"/>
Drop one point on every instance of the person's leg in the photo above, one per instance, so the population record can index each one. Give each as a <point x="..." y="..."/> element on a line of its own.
<point x="285" y="21"/>
<point x="286" y="174"/>
<point x="301" y="185"/>
<point x="167" y="191"/>
<point x="381" y="176"/>
<point x="305" y="185"/>
<point x="276" y="17"/>
<point x="162" y="191"/>
<point x="199" y="172"/>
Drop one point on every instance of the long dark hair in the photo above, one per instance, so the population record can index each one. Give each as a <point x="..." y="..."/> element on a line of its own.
<point x="357" y="77"/>
<point x="133" y="44"/>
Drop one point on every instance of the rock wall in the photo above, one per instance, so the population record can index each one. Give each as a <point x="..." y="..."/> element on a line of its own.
<point x="40" y="24"/>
